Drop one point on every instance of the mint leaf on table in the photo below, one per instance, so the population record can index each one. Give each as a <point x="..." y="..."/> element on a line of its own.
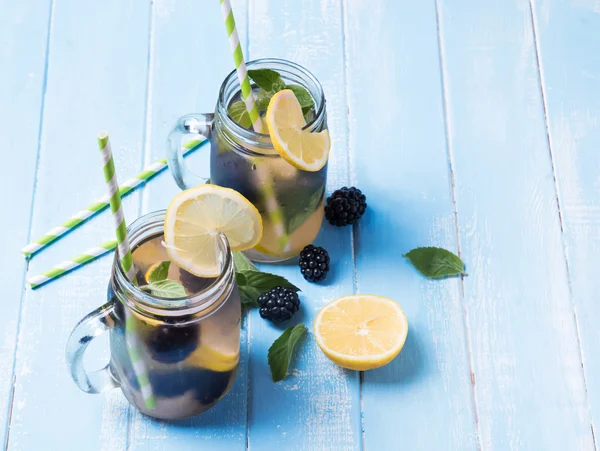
<point x="264" y="281"/>
<point x="241" y="262"/>
<point x="161" y="272"/>
<point x="252" y="283"/>
<point x="237" y="111"/>
<point x="248" y="295"/>
<point x="304" y="98"/>
<point x="280" y="352"/>
<point x="435" y="262"/>
<point x="267" y="79"/>
<point x="166" y="289"/>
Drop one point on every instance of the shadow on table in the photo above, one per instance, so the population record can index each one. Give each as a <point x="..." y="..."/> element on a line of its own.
<point x="408" y="368"/>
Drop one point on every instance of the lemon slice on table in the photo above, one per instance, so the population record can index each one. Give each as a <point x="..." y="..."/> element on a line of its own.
<point x="301" y="148"/>
<point x="361" y="332"/>
<point x="195" y="219"/>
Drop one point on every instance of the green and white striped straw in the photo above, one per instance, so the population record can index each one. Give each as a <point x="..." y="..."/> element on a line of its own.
<point x="69" y="265"/>
<point x="78" y="218"/>
<point x="126" y="260"/>
<point x="240" y="66"/>
<point x="272" y="207"/>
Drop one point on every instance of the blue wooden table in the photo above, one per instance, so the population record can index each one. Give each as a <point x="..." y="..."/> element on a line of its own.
<point x="470" y="124"/>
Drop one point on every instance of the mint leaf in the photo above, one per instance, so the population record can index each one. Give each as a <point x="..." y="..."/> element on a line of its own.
<point x="248" y="295"/>
<point x="435" y="262"/>
<point x="297" y="219"/>
<point x="241" y="262"/>
<point x="263" y="98"/>
<point x="252" y="283"/>
<point x="166" y="289"/>
<point x="304" y="98"/>
<point x="267" y="79"/>
<point x="237" y="111"/>
<point x="280" y="352"/>
<point x="264" y="281"/>
<point x="309" y="115"/>
<point x="161" y="272"/>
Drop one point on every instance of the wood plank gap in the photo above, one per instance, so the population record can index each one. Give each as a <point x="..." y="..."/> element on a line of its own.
<point x="246" y="312"/>
<point x="145" y="160"/>
<point x="466" y="330"/>
<point x="147" y="127"/>
<point x="11" y="396"/>
<point x="351" y="180"/>
<point x="559" y="210"/>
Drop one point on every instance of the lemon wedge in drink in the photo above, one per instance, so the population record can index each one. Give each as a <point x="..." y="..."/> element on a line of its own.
<point x="361" y="332"/>
<point x="195" y="219"/>
<point x="215" y="351"/>
<point x="301" y="148"/>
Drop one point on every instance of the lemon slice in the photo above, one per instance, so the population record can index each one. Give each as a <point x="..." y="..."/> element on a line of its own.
<point x="215" y="351"/>
<point x="301" y="148"/>
<point x="361" y="332"/>
<point x="212" y="359"/>
<point x="195" y="219"/>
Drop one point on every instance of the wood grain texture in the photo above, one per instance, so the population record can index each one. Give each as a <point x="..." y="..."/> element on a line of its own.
<point x="529" y="383"/>
<point x="180" y="83"/>
<point x="397" y="139"/>
<point x="96" y="80"/>
<point x="568" y="37"/>
<point x="436" y="111"/>
<point x="317" y="406"/>
<point x="21" y="91"/>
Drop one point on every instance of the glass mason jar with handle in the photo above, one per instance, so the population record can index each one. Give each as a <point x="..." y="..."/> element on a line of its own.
<point x="172" y="358"/>
<point x="290" y="200"/>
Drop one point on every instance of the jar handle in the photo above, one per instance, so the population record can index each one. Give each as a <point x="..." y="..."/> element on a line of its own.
<point x="196" y="125"/>
<point x="90" y="327"/>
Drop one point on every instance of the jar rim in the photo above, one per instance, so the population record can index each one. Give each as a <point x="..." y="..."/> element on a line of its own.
<point x="262" y="140"/>
<point x="151" y="224"/>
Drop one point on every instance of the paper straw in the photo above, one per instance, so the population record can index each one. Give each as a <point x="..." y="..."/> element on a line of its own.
<point x="69" y="265"/>
<point x="264" y="178"/>
<point x="126" y="260"/>
<point x="101" y="204"/>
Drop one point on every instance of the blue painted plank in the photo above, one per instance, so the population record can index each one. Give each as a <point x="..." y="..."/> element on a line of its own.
<point x="23" y="38"/>
<point x="568" y="38"/>
<point x="317" y="405"/>
<point x="181" y="82"/>
<point x="400" y="160"/>
<point x="529" y="385"/>
<point x="96" y="80"/>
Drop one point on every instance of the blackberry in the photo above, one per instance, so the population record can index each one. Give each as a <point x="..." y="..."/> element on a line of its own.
<point x="172" y="344"/>
<point x="192" y="283"/>
<point x="279" y="304"/>
<point x="345" y="206"/>
<point x="314" y="263"/>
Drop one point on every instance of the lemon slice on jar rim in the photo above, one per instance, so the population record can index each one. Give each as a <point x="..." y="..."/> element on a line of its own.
<point x="301" y="148"/>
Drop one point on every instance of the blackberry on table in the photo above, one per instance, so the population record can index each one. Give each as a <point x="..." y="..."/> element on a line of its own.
<point x="345" y="206"/>
<point x="278" y="304"/>
<point x="314" y="263"/>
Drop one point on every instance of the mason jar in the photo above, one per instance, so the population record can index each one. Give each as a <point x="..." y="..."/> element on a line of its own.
<point x="172" y="358"/>
<point x="290" y="200"/>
